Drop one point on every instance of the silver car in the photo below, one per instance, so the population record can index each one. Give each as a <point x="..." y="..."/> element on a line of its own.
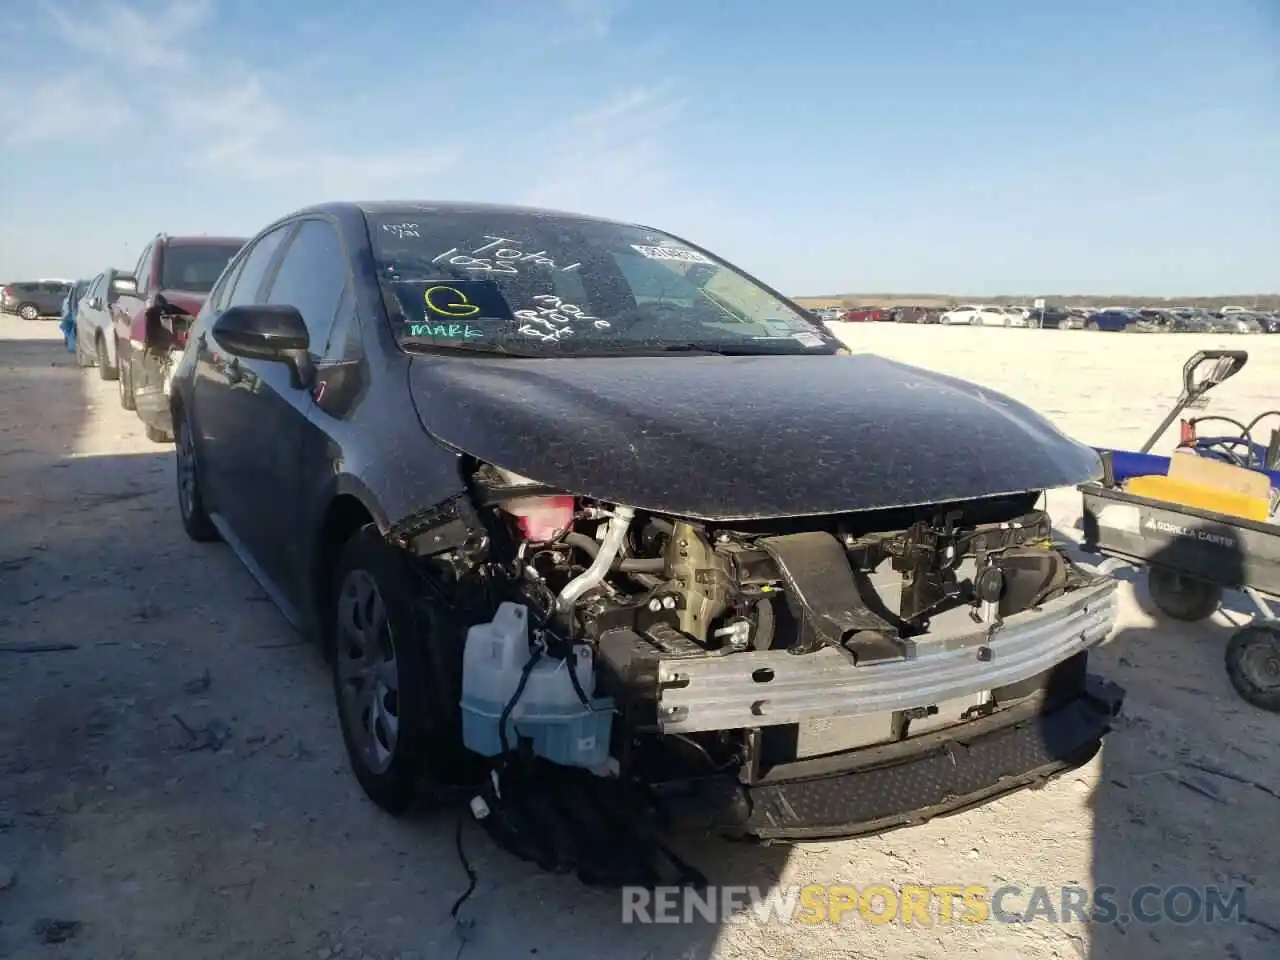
<point x="95" y="343"/>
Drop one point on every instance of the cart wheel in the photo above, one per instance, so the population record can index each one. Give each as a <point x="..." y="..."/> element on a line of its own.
<point x="1253" y="664"/>
<point x="1182" y="597"/>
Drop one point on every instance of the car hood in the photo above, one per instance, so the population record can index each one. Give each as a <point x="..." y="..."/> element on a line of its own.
<point x="726" y="438"/>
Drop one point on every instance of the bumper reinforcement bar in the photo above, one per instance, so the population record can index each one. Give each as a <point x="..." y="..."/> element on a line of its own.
<point x="765" y="688"/>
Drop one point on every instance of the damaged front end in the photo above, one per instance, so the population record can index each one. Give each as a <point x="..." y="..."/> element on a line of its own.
<point x="164" y="327"/>
<point x="788" y="679"/>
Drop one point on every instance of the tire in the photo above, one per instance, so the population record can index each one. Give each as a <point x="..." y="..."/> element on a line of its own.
<point x="195" y="519"/>
<point x="105" y="370"/>
<point x="29" y="311"/>
<point x="158" y="435"/>
<point x="1092" y="325"/>
<point x="1181" y="597"/>
<point x="384" y="675"/>
<point x="126" y="385"/>
<point x="1253" y="664"/>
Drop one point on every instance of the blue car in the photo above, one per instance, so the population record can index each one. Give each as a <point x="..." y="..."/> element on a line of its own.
<point x="1112" y="321"/>
<point x="69" y="304"/>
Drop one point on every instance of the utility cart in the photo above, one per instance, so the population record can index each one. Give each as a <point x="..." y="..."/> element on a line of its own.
<point x="1202" y="521"/>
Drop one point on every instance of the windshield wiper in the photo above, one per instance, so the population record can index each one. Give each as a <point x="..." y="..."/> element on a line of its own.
<point x="748" y="349"/>
<point x="488" y="348"/>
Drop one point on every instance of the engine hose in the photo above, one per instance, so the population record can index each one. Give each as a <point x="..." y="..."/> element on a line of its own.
<point x="630" y="565"/>
<point x="614" y="537"/>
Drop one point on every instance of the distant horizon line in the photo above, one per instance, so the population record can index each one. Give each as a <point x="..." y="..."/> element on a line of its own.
<point x="1224" y="297"/>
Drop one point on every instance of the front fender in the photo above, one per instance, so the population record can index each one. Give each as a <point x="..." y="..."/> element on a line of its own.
<point x="345" y="484"/>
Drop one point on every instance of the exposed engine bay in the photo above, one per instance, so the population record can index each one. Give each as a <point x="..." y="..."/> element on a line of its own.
<point x="756" y="645"/>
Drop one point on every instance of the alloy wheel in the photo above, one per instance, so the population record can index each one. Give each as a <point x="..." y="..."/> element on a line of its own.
<point x="186" y="472"/>
<point x="369" y="687"/>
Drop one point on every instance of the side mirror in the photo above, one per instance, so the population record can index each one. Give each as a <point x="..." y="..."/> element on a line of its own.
<point x="271" y="332"/>
<point x="124" y="285"/>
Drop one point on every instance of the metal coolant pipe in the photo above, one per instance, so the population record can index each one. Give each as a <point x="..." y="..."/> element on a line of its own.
<point x="614" y="536"/>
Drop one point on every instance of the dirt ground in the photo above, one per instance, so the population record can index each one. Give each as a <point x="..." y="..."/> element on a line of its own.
<point x="172" y="784"/>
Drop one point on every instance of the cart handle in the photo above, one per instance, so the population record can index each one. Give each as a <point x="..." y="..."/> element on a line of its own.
<point x="1226" y="364"/>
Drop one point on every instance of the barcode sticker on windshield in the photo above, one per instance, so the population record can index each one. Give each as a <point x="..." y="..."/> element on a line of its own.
<point x="679" y="254"/>
<point x="809" y="339"/>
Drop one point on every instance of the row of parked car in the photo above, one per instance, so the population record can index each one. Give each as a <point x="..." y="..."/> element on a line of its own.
<point x="1144" y="319"/>
<point x="131" y="324"/>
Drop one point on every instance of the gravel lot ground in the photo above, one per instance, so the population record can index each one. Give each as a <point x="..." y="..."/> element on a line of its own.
<point x="175" y="786"/>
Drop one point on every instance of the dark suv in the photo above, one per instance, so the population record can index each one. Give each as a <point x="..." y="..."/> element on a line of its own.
<point x="35" y="298"/>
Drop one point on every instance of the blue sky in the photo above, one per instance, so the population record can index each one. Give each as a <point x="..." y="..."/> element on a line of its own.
<point x="972" y="147"/>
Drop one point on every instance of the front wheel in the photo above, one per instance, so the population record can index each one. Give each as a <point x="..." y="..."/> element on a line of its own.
<point x="1092" y="325"/>
<point x="399" y="737"/>
<point x="29" y="311"/>
<point x="105" y="370"/>
<point x="1181" y="597"/>
<point x="1253" y="664"/>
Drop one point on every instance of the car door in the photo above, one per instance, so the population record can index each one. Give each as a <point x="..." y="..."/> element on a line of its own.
<point x="217" y="377"/>
<point x="127" y="306"/>
<point x="271" y="414"/>
<point x="87" y="313"/>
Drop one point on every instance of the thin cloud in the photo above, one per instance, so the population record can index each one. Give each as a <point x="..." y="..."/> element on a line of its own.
<point x="612" y="153"/>
<point x="244" y="124"/>
<point x="588" y="19"/>
<point x="131" y="38"/>
<point x="232" y="122"/>
<point x="69" y="107"/>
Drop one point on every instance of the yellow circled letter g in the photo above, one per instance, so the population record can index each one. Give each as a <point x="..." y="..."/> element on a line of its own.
<point x="449" y="302"/>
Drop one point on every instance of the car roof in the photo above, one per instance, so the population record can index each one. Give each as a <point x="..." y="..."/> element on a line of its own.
<point x="380" y="207"/>
<point x="197" y="240"/>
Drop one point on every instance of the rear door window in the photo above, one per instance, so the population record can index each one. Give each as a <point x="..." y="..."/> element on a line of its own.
<point x="143" y="270"/>
<point x="220" y="299"/>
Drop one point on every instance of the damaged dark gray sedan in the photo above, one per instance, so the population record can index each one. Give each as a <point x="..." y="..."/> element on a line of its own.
<point x="561" y="494"/>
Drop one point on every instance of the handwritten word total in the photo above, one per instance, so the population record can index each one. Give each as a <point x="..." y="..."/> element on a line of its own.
<point x="502" y="255"/>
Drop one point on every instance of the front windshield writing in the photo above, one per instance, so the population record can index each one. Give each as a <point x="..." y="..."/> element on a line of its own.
<point x="541" y="283"/>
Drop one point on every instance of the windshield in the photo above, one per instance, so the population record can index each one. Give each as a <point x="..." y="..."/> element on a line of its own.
<point x="195" y="267"/>
<point x="544" y="285"/>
